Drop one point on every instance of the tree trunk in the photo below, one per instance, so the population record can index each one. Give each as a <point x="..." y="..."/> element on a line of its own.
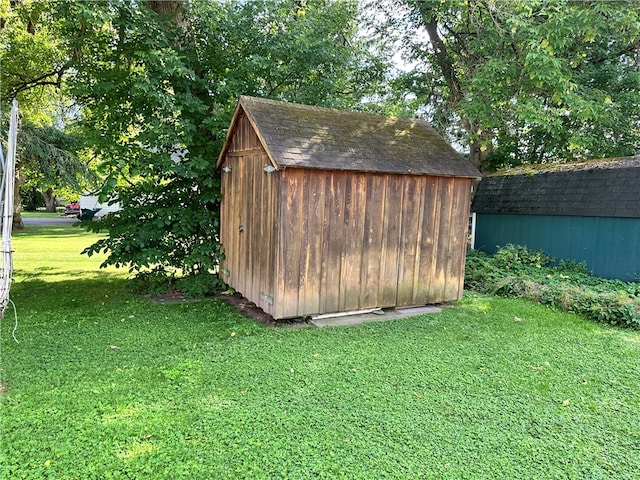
<point x="18" y="224"/>
<point x="170" y="8"/>
<point x="482" y="145"/>
<point x="49" y="200"/>
<point x="477" y="154"/>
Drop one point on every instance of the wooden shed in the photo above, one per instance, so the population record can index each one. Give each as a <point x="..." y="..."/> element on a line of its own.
<point x="588" y="211"/>
<point x="328" y="211"/>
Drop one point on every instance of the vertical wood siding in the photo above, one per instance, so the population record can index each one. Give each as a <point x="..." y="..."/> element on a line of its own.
<point x="350" y="240"/>
<point x="302" y="242"/>
<point x="247" y="219"/>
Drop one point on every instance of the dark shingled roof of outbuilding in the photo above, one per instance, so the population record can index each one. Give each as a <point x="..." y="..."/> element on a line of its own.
<point x="597" y="188"/>
<point x="303" y="136"/>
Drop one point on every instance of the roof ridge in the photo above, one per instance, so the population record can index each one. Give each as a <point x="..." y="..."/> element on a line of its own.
<point x="334" y="109"/>
<point x="597" y="163"/>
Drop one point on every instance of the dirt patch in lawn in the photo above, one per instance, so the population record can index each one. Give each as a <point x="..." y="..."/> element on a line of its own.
<point x="246" y="307"/>
<point x="252" y="311"/>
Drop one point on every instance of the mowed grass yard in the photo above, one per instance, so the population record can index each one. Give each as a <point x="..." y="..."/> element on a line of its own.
<point x="105" y="384"/>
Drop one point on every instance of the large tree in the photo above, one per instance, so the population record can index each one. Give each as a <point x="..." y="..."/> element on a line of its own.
<point x="528" y="80"/>
<point x="32" y="56"/>
<point x="49" y="163"/>
<point x="33" y="63"/>
<point x="158" y="82"/>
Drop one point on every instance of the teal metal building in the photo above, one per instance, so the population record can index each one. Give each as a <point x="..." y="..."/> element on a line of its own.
<point x="587" y="211"/>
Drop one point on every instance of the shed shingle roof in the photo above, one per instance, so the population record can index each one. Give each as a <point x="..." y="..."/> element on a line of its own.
<point x="323" y="138"/>
<point x="598" y="188"/>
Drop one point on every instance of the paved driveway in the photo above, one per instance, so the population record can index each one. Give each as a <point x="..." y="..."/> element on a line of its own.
<point x="49" y="221"/>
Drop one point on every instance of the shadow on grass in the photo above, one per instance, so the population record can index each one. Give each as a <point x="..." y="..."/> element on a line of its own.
<point x="49" y="274"/>
<point x="38" y="294"/>
<point x="53" y="231"/>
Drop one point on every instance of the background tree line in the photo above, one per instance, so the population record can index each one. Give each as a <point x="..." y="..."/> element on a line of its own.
<point x="135" y="97"/>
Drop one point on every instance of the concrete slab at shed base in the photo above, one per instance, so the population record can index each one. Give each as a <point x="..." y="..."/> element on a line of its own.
<point x="378" y="315"/>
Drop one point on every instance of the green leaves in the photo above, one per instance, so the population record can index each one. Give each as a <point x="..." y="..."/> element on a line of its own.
<point x="47" y="158"/>
<point x="158" y="92"/>
<point x="515" y="271"/>
<point x="543" y="81"/>
<point x="165" y="228"/>
<point x="32" y="58"/>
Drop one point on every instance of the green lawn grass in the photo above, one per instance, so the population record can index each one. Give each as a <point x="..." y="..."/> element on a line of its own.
<point x="107" y="385"/>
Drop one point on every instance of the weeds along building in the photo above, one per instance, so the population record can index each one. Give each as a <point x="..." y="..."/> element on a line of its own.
<point x="328" y="211"/>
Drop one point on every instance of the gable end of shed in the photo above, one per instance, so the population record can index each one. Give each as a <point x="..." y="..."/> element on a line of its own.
<point x="244" y="138"/>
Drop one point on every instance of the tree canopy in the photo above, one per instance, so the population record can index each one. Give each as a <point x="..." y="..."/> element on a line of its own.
<point x="34" y="62"/>
<point x="32" y="56"/>
<point x="528" y="81"/>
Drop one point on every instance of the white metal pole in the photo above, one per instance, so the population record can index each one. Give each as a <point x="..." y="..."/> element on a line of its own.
<point x="7" y="210"/>
<point x="473" y="230"/>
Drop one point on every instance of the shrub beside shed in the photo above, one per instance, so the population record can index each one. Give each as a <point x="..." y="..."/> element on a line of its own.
<point x="327" y="211"/>
<point x="587" y="211"/>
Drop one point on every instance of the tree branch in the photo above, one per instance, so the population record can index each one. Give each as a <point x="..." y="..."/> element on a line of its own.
<point x="628" y="49"/>
<point x="443" y="58"/>
<point x="40" y="81"/>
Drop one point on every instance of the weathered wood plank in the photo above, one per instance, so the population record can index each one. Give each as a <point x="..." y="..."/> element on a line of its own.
<point x="313" y="235"/>
<point x="239" y="137"/>
<point x="434" y="233"/>
<point x="256" y="213"/>
<point x="303" y="237"/>
<point x="458" y="238"/>
<point x="247" y="132"/>
<point x="257" y="241"/>
<point x="238" y="222"/>
<point x="322" y="280"/>
<point x="225" y="204"/>
<point x="225" y="228"/>
<point x="244" y="218"/>
<point x="420" y="280"/>
<point x="292" y="218"/>
<point x="443" y="253"/>
<point x="236" y="182"/>
<point x="408" y="240"/>
<point x="352" y="259"/>
<point x="428" y="240"/>
<point x="390" y="240"/>
<point x="254" y="141"/>
<point x="271" y="181"/>
<point x="261" y="256"/>
<point x="245" y="152"/>
<point x="333" y="240"/>
<point x="372" y="241"/>
<point x="232" y="224"/>
<point x="247" y="234"/>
